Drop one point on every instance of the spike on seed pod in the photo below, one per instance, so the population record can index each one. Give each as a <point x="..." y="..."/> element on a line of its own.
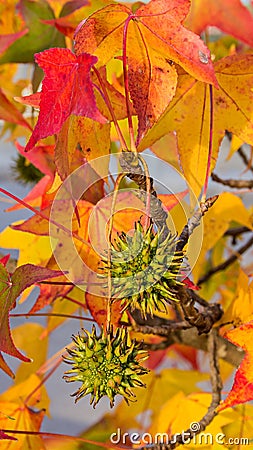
<point x="111" y="366"/>
<point x="145" y="271"/>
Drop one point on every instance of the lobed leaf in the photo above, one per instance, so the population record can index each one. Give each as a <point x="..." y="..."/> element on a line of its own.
<point x="66" y="90"/>
<point x="11" y="286"/>
<point x="189" y="115"/>
<point x="154" y="39"/>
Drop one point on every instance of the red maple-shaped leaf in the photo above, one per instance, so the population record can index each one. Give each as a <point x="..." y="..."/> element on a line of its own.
<point x="242" y="390"/>
<point x="66" y="89"/>
<point x="11" y="286"/>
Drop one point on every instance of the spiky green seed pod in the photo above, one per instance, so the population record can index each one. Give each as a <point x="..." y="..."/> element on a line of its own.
<point x="106" y="365"/>
<point x="25" y="171"/>
<point x="145" y="271"/>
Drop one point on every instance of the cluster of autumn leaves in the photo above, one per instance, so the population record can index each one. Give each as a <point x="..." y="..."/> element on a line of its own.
<point x="144" y="69"/>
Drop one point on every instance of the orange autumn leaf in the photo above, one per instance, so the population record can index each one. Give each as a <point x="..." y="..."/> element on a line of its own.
<point x="98" y="309"/>
<point x="189" y="115"/>
<point x="152" y="39"/>
<point x="17" y="415"/>
<point x="40" y="226"/>
<point x="11" y="19"/>
<point x="242" y="390"/>
<point x="72" y="13"/>
<point x="93" y="139"/>
<point x="160" y="24"/>
<point x="10" y="113"/>
<point x="231" y="16"/>
<point x="4" y="366"/>
<point x="48" y="294"/>
<point x="30" y="100"/>
<point x="37" y="195"/>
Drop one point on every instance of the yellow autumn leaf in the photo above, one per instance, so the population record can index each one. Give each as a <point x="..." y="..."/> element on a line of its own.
<point x="168" y="382"/>
<point x="17" y="413"/>
<point x="21" y="391"/>
<point x="216" y="221"/>
<point x="189" y="115"/>
<point x="240" y="309"/>
<point x="32" y="248"/>
<point x="241" y="426"/>
<point x="182" y="412"/>
<point x="234" y="145"/>
<point x="10" y="20"/>
<point x="28" y="337"/>
<point x="25" y="419"/>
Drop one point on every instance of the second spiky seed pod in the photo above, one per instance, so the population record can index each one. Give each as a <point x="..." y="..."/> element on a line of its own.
<point x="106" y="365"/>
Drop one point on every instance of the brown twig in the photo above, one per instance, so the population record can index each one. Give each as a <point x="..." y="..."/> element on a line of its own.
<point x="131" y="165"/>
<point x="226" y="263"/>
<point x="235" y="232"/>
<point x="163" y="330"/>
<point x="239" y="184"/>
<point x="183" y="333"/>
<point x="246" y="161"/>
<point x="194" y="222"/>
<point x="215" y="377"/>
<point x="241" y="153"/>
<point x="203" y="321"/>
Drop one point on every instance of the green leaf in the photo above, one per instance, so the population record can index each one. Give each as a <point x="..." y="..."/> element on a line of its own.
<point x="39" y="37"/>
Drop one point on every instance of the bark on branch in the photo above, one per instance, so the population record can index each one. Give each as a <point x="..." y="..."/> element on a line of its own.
<point x="239" y="184"/>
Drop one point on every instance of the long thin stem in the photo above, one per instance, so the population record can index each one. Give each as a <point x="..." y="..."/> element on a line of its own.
<point x="149" y="76"/>
<point x="67" y="316"/>
<point x="43" y="381"/>
<point x="65" y="437"/>
<point x="210" y="147"/>
<point x="126" y="84"/>
<point x="109" y="106"/>
<point x="238" y="184"/>
<point x="109" y="302"/>
<point x="227" y="263"/>
<point x="148" y="191"/>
